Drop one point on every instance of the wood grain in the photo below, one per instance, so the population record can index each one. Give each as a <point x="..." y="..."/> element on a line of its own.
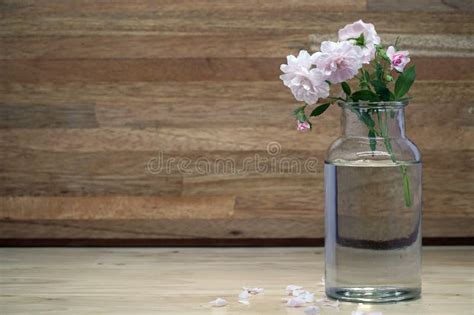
<point x="258" y="227"/>
<point x="92" y="92"/>
<point x="240" y="104"/>
<point x="201" y="139"/>
<point x="192" y="69"/>
<point x="423" y="5"/>
<point x="44" y="116"/>
<point x="82" y="7"/>
<point x="263" y="228"/>
<point x="107" y="208"/>
<point x="220" y="20"/>
<point x="184" y="280"/>
<point x="231" y="45"/>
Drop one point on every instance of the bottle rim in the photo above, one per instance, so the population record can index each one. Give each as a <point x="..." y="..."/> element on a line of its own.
<point x="374" y="105"/>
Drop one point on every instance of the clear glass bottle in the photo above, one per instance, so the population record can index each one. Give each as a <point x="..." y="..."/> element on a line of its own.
<point x="373" y="207"/>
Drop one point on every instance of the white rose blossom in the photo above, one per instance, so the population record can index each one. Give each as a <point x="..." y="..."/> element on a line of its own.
<point x="354" y="30"/>
<point x="338" y="61"/>
<point x="307" y="84"/>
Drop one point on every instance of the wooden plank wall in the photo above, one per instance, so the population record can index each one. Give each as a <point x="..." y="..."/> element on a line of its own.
<point x="90" y="91"/>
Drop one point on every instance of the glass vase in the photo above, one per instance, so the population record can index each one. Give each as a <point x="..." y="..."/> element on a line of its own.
<point x="373" y="207"/>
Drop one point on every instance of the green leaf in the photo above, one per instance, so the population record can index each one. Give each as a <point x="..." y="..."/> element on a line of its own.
<point x="346" y="88"/>
<point x="364" y="80"/>
<point x="299" y="113"/>
<point x="366" y="76"/>
<point x="379" y="71"/>
<point x="381" y="89"/>
<point x="360" y="41"/>
<point x="365" y="95"/>
<point x="299" y="109"/>
<point x="320" y="109"/>
<point x="367" y="120"/>
<point x="404" y="99"/>
<point x="363" y="85"/>
<point x="404" y="82"/>
<point x="382" y="53"/>
<point x="372" y="142"/>
<point x="392" y="114"/>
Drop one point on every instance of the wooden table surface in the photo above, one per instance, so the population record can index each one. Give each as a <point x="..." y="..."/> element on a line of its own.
<point x="183" y="280"/>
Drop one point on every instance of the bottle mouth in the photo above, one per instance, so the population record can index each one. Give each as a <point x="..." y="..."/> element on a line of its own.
<point x="374" y="105"/>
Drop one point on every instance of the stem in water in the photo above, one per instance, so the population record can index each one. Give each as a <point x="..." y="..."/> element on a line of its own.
<point x="403" y="169"/>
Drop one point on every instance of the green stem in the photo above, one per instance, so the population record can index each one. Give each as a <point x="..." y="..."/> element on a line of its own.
<point x="336" y="98"/>
<point x="403" y="169"/>
<point x="384" y="134"/>
<point x="406" y="186"/>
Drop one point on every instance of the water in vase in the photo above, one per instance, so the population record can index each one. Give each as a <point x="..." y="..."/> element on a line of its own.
<point x="373" y="233"/>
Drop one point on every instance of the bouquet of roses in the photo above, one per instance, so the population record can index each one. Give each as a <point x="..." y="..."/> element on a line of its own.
<point x="358" y="54"/>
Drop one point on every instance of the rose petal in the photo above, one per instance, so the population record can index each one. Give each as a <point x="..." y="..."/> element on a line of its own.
<point x="297" y="292"/>
<point x="244" y="295"/>
<point x="219" y="302"/>
<point x="339" y="61"/>
<point x="291" y="288"/>
<point x="306" y="83"/>
<point x="254" y="291"/>
<point x="312" y="310"/>
<point x="308" y="297"/>
<point x="295" y="302"/>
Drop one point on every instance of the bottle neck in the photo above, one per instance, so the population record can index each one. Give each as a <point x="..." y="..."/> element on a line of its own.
<point x="388" y="122"/>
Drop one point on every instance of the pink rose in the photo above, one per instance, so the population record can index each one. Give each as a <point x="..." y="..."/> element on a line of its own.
<point x="307" y="84"/>
<point x="398" y="59"/>
<point x="354" y="30"/>
<point x="303" y="126"/>
<point x="338" y="61"/>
